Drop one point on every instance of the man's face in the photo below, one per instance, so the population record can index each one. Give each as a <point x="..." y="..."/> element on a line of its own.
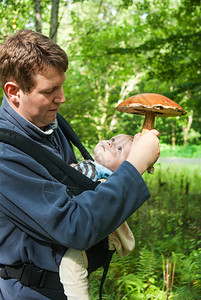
<point x="111" y="153"/>
<point x="41" y="104"/>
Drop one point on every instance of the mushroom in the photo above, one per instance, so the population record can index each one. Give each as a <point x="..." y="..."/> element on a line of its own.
<point x="150" y="105"/>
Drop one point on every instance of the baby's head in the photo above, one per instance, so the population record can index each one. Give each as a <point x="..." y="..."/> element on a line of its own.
<point x="111" y="153"/>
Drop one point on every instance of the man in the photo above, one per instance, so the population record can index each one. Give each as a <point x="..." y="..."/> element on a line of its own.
<point x="38" y="219"/>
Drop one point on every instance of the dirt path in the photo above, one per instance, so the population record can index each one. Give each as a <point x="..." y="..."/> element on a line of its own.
<point x="179" y="160"/>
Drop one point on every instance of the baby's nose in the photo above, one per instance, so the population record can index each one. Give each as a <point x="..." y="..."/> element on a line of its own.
<point x="110" y="143"/>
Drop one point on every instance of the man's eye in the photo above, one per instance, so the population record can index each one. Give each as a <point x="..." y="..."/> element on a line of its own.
<point x="47" y="92"/>
<point x="119" y="148"/>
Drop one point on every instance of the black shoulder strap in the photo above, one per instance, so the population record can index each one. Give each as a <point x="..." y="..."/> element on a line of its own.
<point x="72" y="136"/>
<point x="75" y="181"/>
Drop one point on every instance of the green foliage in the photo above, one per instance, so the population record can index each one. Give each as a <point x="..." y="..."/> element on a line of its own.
<point x="166" y="263"/>
<point x="120" y="48"/>
<point x="117" y="52"/>
<point x="15" y="15"/>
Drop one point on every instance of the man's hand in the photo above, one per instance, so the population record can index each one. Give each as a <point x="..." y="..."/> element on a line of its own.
<point x="144" y="151"/>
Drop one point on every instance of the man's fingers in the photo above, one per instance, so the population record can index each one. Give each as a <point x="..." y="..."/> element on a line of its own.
<point x="155" y="132"/>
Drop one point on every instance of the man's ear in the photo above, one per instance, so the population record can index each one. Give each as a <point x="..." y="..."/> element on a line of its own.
<point x="12" y="90"/>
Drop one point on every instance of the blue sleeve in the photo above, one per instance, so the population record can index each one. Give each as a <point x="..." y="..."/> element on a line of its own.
<point x="40" y="206"/>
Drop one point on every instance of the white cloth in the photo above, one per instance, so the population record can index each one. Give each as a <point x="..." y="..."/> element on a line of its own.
<point x="73" y="274"/>
<point x="122" y="240"/>
<point x="73" y="267"/>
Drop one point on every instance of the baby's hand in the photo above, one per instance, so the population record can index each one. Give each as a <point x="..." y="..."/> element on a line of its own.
<point x="73" y="165"/>
<point x="144" y="150"/>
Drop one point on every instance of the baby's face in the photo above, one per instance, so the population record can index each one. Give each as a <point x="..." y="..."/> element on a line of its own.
<point x="111" y="153"/>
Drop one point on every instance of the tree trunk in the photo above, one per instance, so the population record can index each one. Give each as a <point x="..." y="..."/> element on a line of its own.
<point x="187" y="128"/>
<point x="54" y="24"/>
<point x="173" y="136"/>
<point x="38" y="13"/>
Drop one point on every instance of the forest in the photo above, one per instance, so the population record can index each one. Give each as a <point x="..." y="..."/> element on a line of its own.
<point x="118" y="49"/>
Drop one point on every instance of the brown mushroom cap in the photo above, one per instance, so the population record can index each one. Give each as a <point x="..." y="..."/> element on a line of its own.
<point x="156" y="103"/>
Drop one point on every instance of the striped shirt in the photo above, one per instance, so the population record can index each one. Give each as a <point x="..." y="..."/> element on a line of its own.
<point x="93" y="170"/>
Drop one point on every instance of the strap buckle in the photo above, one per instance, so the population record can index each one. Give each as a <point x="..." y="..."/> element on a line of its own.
<point x="31" y="275"/>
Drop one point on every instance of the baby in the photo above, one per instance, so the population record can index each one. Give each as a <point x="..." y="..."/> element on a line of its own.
<point x="109" y="155"/>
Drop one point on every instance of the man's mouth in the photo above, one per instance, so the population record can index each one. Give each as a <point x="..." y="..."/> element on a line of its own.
<point x="54" y="110"/>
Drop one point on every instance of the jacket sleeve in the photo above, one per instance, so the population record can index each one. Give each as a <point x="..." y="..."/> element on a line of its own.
<point x="39" y="205"/>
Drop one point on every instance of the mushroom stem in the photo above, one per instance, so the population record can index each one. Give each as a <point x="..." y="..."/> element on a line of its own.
<point x="148" y="125"/>
<point x="148" y="122"/>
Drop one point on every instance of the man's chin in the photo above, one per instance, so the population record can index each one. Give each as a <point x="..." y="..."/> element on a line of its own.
<point x="51" y="119"/>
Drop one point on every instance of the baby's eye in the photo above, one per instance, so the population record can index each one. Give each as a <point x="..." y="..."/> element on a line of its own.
<point x="119" y="148"/>
<point x="112" y="140"/>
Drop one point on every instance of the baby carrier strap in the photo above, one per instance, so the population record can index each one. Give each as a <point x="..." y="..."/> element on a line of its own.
<point x="75" y="181"/>
<point x="72" y="136"/>
<point x="99" y="254"/>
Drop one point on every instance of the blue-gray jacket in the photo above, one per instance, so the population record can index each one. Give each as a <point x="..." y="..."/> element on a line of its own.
<point x="38" y="220"/>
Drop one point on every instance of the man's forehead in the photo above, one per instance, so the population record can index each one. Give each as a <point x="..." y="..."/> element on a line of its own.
<point x="52" y="76"/>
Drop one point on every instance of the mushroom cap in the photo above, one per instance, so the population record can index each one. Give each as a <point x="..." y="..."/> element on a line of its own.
<point x="156" y="103"/>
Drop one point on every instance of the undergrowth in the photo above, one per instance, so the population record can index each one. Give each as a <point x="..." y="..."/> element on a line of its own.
<point x="166" y="263"/>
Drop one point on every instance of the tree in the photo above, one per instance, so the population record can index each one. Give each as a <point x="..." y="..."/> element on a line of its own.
<point x="118" y="49"/>
<point x="54" y="24"/>
<point x="38" y="15"/>
<point x="114" y="45"/>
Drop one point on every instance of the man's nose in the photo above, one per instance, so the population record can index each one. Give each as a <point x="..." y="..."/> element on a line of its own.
<point x="60" y="97"/>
